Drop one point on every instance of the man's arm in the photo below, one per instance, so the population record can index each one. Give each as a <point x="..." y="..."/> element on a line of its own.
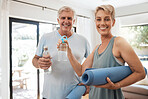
<point x="35" y="61"/>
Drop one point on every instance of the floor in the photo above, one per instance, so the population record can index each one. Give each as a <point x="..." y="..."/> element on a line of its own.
<point x="19" y="93"/>
<point x="24" y="94"/>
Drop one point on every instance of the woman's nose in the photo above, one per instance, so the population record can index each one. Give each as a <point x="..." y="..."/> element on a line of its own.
<point x="102" y="22"/>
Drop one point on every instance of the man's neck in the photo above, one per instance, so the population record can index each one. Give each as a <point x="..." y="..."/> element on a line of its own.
<point x="68" y="34"/>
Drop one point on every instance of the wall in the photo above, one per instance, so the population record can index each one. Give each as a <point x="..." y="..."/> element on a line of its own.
<point x="133" y="15"/>
<point x="36" y="13"/>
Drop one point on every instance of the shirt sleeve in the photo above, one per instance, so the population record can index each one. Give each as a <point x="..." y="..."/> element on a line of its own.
<point x="40" y="46"/>
<point x="87" y="49"/>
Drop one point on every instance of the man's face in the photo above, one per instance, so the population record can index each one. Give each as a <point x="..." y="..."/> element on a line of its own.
<point x="66" y="21"/>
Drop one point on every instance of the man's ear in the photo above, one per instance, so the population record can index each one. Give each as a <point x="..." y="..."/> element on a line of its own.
<point x="113" y="22"/>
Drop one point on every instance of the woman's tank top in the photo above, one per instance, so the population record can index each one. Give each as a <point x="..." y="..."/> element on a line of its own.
<point x="104" y="60"/>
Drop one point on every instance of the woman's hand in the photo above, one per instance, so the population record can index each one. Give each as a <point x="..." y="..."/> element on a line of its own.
<point x="60" y="42"/>
<point x="109" y="85"/>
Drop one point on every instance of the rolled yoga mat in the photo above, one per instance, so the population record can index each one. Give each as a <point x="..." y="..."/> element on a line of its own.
<point x="95" y="76"/>
<point x="77" y="92"/>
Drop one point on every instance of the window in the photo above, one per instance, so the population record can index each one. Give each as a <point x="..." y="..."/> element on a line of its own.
<point x="137" y="36"/>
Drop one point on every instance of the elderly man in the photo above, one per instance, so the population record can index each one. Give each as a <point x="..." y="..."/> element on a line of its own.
<point x="62" y="78"/>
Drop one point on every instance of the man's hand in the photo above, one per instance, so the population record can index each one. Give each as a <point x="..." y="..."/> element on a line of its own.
<point x="109" y="85"/>
<point x="44" y="62"/>
<point x="87" y="88"/>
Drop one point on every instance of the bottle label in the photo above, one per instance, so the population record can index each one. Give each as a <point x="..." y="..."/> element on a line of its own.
<point x="62" y="56"/>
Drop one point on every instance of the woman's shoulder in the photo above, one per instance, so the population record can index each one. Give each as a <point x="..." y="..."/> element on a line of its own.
<point x="120" y="41"/>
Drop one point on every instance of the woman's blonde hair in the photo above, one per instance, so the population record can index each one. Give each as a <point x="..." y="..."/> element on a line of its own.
<point x="66" y="9"/>
<point x="107" y="8"/>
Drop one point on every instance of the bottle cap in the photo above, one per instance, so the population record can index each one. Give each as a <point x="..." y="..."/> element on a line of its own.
<point x="63" y="38"/>
<point x="46" y="47"/>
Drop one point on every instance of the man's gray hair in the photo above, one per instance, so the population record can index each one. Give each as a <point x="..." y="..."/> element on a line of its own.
<point x="66" y="9"/>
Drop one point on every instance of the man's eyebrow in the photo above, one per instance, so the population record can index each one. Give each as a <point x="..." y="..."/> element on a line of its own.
<point x="107" y="16"/>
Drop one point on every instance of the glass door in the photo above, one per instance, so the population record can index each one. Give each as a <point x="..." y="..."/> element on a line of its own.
<point x="24" y="77"/>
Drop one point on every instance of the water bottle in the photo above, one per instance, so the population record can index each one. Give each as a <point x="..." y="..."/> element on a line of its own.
<point x="46" y="53"/>
<point x="62" y="51"/>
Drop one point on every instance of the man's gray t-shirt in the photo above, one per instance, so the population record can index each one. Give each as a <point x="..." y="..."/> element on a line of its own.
<point x="62" y="78"/>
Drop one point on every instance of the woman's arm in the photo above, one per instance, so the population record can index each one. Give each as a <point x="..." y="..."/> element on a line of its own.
<point x="124" y="52"/>
<point x="75" y="64"/>
<point x="79" y="69"/>
<point x="129" y="56"/>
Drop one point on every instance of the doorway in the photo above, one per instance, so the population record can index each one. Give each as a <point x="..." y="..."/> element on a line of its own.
<point x="24" y="78"/>
<point x="26" y="82"/>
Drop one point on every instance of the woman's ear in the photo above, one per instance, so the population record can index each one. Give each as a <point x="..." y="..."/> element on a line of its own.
<point x="113" y="22"/>
<point x="74" y="21"/>
<point x="58" y="20"/>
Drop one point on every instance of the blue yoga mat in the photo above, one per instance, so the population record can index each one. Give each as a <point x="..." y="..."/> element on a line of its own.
<point x="95" y="76"/>
<point x="77" y="92"/>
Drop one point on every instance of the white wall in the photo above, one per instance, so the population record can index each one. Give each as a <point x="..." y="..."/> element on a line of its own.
<point x="133" y="15"/>
<point x="132" y="9"/>
<point x="139" y="19"/>
<point x="36" y="13"/>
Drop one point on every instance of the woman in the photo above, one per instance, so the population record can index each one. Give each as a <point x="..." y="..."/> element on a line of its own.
<point x="113" y="51"/>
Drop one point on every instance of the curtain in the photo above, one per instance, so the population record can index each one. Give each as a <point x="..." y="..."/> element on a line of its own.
<point x="4" y="49"/>
<point x="84" y="28"/>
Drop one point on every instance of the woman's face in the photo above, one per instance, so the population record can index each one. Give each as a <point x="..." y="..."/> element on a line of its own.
<point x="104" y="22"/>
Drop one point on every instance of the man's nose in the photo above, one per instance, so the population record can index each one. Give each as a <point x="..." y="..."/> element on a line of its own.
<point x="66" y="20"/>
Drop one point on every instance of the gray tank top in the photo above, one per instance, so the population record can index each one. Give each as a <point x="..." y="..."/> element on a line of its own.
<point x="104" y="60"/>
